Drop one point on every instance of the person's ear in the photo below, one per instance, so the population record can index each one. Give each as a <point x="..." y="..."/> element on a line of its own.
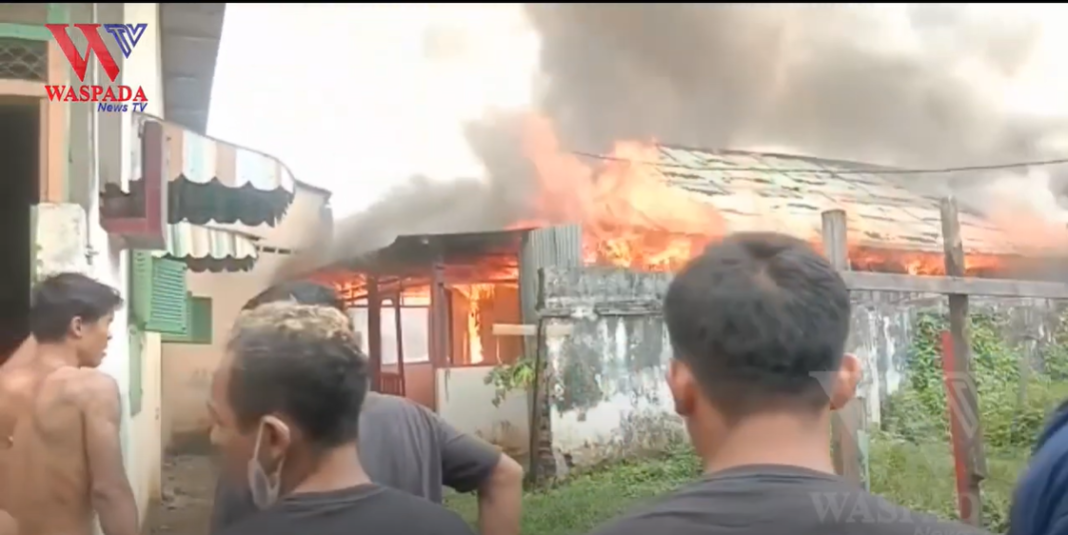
<point x="277" y="437"/>
<point x="683" y="387"/>
<point x="77" y="327"/>
<point x="845" y="381"/>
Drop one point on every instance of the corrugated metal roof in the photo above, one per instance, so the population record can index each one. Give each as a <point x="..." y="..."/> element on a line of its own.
<point x="210" y="249"/>
<point x="881" y="211"/>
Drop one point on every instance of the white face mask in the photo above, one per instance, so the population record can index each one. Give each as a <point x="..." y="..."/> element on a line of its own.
<point x="265" y="488"/>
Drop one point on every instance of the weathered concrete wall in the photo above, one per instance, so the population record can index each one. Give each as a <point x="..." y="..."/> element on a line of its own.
<point x="609" y="397"/>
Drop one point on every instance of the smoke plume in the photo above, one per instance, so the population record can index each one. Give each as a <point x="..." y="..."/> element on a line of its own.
<point x="837" y="81"/>
<point x="920" y="86"/>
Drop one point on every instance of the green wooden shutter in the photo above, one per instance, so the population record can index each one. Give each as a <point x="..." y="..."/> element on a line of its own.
<point x="199" y="321"/>
<point x="137" y="359"/>
<point x="158" y="294"/>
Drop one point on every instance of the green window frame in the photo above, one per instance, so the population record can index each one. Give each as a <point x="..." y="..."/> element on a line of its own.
<point x="199" y="321"/>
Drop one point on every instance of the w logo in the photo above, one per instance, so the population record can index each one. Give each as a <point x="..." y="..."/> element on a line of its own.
<point x="126" y="36"/>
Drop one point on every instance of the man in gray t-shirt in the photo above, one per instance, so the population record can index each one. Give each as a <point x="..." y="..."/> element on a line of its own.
<point x="405" y="446"/>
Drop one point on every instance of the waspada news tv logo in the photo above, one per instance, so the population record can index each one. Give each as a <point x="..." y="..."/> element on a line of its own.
<point x="108" y="98"/>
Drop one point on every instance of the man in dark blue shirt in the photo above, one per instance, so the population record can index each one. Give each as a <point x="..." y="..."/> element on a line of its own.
<point x="1040" y="504"/>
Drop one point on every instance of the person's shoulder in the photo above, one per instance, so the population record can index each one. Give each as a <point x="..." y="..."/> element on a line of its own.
<point x="86" y="386"/>
<point x="386" y="403"/>
<point x="388" y="408"/>
<point x="421" y="515"/>
<point x="882" y="517"/>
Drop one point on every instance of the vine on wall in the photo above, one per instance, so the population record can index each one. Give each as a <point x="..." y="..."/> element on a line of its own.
<point x="507" y="378"/>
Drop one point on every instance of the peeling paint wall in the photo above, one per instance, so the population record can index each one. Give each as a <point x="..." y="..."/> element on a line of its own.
<point x="609" y="397"/>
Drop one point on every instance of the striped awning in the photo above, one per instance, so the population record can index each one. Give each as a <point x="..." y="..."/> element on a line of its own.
<point x="214" y="181"/>
<point x="211" y="249"/>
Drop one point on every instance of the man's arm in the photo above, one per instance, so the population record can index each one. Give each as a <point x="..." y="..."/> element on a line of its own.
<point x="112" y="497"/>
<point x="470" y="463"/>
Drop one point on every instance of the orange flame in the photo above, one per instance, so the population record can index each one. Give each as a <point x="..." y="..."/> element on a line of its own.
<point x="630" y="215"/>
<point x="475" y="294"/>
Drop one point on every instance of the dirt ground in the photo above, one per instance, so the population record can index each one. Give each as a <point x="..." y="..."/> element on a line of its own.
<point x="188" y="488"/>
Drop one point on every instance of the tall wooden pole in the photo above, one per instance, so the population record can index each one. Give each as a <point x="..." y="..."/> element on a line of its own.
<point x="962" y="399"/>
<point x="849" y="447"/>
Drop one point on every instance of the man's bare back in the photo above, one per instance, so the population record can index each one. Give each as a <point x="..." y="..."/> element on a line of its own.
<point x="66" y="431"/>
<point x="60" y="452"/>
<point x="18" y="384"/>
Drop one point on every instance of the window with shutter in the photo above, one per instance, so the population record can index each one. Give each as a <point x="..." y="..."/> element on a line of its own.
<point x="158" y="301"/>
<point x="199" y="321"/>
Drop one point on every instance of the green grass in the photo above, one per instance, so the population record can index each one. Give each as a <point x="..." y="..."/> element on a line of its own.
<point x="919" y="477"/>
<point x="584" y="501"/>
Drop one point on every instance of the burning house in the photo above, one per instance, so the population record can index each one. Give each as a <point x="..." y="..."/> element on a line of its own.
<point x="579" y="285"/>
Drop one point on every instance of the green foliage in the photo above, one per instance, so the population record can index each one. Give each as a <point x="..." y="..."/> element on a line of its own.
<point x="577" y="379"/>
<point x="1015" y="397"/>
<point x="584" y="501"/>
<point x="508" y="377"/>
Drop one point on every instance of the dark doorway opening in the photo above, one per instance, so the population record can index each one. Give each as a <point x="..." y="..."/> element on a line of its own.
<point x="20" y="128"/>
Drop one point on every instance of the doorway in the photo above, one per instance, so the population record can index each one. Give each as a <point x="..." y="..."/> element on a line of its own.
<point x="20" y="145"/>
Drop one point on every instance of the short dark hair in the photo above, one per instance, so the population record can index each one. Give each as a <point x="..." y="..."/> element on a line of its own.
<point x="301" y="361"/>
<point x="60" y="298"/>
<point x="303" y="292"/>
<point x="757" y="317"/>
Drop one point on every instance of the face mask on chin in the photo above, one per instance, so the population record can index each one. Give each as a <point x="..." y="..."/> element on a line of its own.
<point x="265" y="487"/>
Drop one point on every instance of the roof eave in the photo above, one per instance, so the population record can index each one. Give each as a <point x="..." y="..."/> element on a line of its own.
<point x="190" y="45"/>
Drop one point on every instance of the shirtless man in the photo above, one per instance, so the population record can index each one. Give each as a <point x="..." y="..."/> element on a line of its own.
<point x="60" y="452"/>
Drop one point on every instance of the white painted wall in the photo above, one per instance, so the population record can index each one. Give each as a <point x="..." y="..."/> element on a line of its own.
<point x="466" y="401"/>
<point x="104" y="149"/>
<point x="143" y="68"/>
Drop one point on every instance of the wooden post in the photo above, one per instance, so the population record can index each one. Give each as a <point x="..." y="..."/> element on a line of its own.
<point x="439" y="317"/>
<point x="399" y="330"/>
<point x="541" y="461"/>
<point x="962" y="399"/>
<point x="374" y="332"/>
<point x="849" y="447"/>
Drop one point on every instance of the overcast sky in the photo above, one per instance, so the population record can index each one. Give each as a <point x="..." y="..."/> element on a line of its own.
<point x="344" y="94"/>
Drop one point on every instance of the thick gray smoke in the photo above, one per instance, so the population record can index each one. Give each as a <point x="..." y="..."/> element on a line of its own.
<point x="917" y="87"/>
<point x="425" y="206"/>
<point x="836" y="81"/>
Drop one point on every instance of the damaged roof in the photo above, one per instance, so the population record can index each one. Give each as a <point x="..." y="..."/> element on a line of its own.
<point x="775" y="192"/>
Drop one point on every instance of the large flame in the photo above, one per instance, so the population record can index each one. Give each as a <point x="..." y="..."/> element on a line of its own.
<point x="630" y="216"/>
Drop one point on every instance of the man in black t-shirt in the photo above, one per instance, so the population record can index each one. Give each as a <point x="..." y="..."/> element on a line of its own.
<point x="758" y="324"/>
<point x="286" y="404"/>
